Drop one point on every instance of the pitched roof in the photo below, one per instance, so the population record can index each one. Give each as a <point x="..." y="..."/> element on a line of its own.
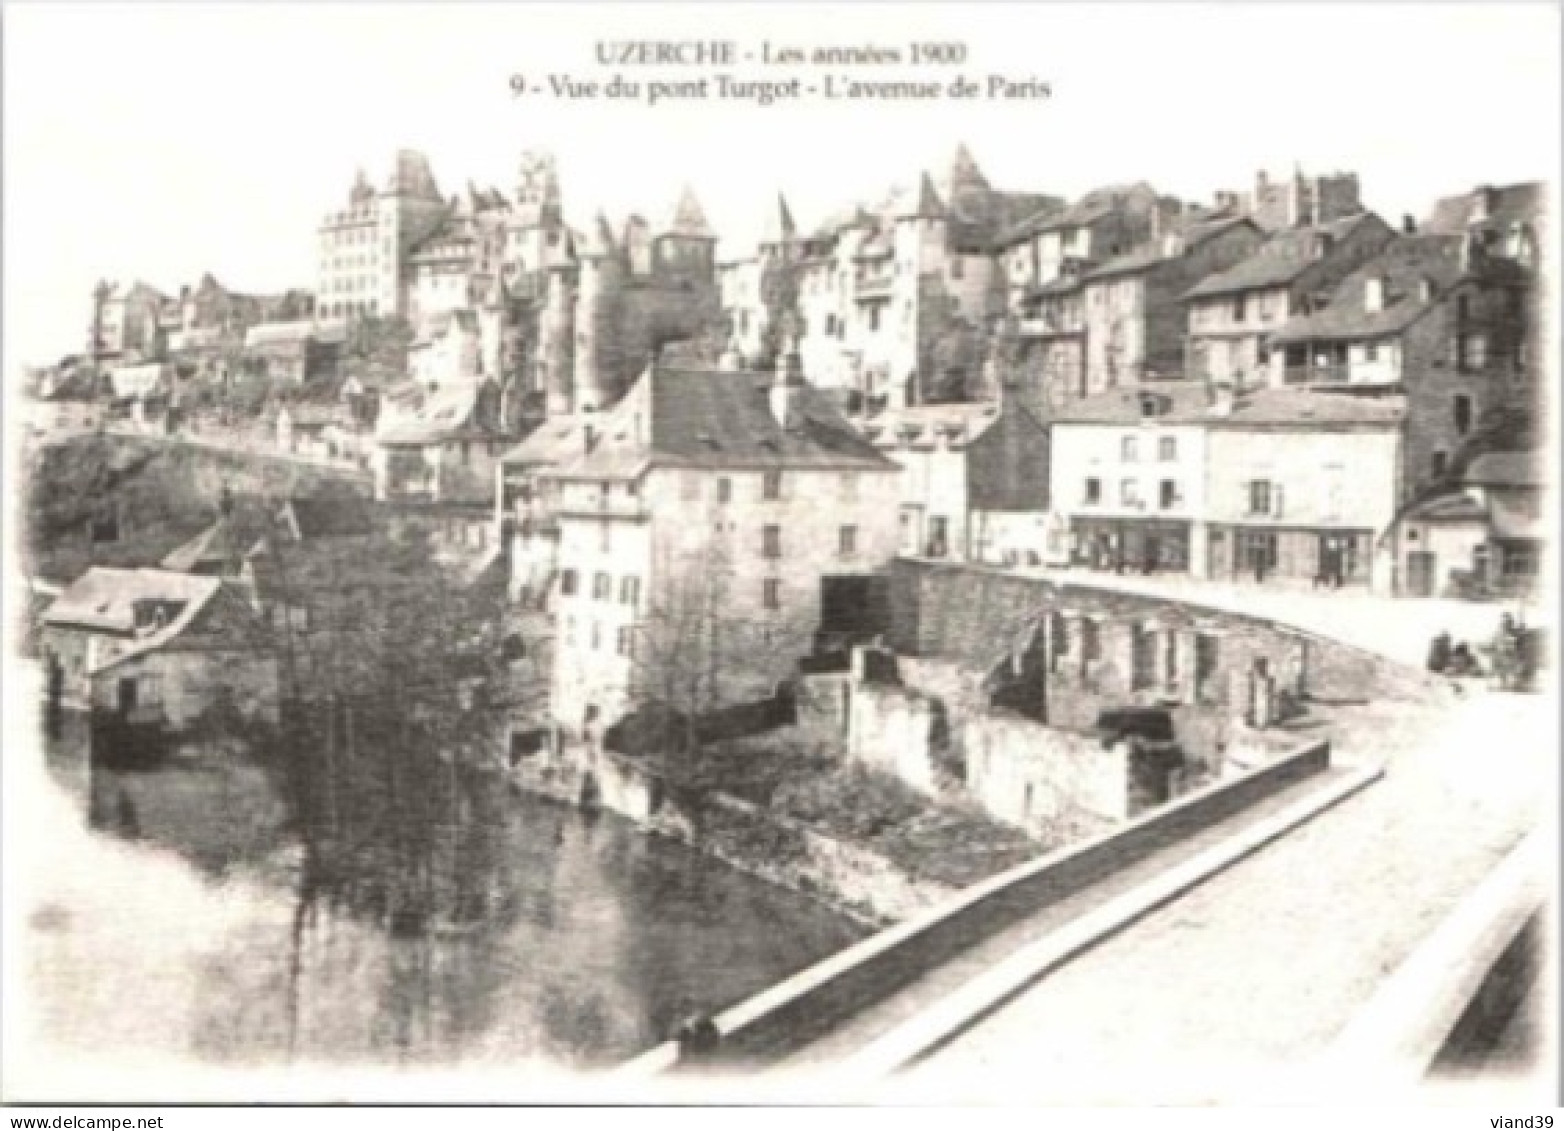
<point x="1154" y="253"/>
<point x="105" y="599"/>
<point x="1508" y="469"/>
<point x="279" y="333"/>
<point x="448" y="414"/>
<point x="1278" y="261"/>
<point x="778" y="226"/>
<point x="1190" y="402"/>
<point x="554" y="441"/>
<point x="1525" y="202"/>
<point x="919" y="200"/>
<point x="688" y="219"/>
<point x="330" y="516"/>
<point x="1407" y="262"/>
<point x="1456" y="507"/>
<point x="719" y="419"/>
<point x="228" y="540"/>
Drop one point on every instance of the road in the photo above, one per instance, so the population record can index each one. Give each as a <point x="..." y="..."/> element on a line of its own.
<point x="1226" y="992"/>
<point x="1399" y="628"/>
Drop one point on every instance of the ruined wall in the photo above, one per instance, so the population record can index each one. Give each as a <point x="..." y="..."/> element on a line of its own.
<point x="894" y="729"/>
<point x="1040" y="778"/>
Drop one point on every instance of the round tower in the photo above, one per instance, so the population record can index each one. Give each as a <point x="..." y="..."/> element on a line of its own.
<point x="556" y="340"/>
<point x="593" y="384"/>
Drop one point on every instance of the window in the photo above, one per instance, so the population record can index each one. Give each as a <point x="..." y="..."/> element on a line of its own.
<point x="1129" y="449"/>
<point x="602" y="587"/>
<point x="466" y="450"/>
<point x="1371" y="352"/>
<point x="939" y="527"/>
<point x="1521" y="561"/>
<point x="957" y="266"/>
<point x="771" y="541"/>
<point x="771" y="593"/>
<point x="1169" y="495"/>
<point x="1167" y="449"/>
<point x="567" y="583"/>
<point x="626" y="643"/>
<point x="630" y="591"/>
<point x="771" y="485"/>
<point x="1129" y="492"/>
<point x="724" y="490"/>
<point x="1463" y="307"/>
<point x="1240" y="307"/>
<point x="847" y="541"/>
<point x="1463" y="415"/>
<point x="1259" y="497"/>
<point x="597" y="637"/>
<point x="874" y="317"/>
<point x="605" y="536"/>
<point x="1093" y="491"/>
<point x="1438" y="464"/>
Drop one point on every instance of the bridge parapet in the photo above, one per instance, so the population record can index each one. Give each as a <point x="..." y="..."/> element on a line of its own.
<point x="798" y="1010"/>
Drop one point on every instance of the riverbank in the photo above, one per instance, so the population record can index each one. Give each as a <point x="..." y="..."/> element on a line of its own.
<point x="856" y="878"/>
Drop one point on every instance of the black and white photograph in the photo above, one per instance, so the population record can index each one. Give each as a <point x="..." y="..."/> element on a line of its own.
<point x="780" y="553"/>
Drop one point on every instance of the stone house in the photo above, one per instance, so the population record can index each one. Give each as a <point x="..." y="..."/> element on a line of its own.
<point x="1136" y="318"/>
<point x="1486" y="538"/>
<point x="125" y="322"/>
<point x="718" y="521"/>
<point x="974" y="479"/>
<point x="1432" y="317"/>
<point x="1277" y="485"/>
<point x="287" y="351"/>
<point x="159" y="647"/>
<point x="443" y="450"/>
<point x="1233" y="313"/>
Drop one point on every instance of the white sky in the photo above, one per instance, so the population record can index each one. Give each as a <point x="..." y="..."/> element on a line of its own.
<point x="159" y="141"/>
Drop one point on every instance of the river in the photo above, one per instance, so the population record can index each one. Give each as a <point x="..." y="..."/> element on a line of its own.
<point x="177" y="909"/>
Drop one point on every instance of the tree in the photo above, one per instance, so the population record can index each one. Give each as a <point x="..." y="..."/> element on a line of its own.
<point x="697" y="650"/>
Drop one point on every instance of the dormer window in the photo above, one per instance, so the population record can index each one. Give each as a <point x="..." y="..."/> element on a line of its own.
<point x="1322" y="245"/>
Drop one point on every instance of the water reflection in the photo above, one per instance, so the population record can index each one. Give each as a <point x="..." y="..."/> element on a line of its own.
<point x="393" y="909"/>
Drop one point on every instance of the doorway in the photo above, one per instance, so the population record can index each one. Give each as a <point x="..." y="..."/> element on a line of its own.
<point x="1420" y="573"/>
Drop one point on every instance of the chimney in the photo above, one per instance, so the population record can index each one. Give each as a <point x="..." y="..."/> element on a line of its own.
<point x="1408" y="225"/>
<point x="1483" y="201"/>
<point x="1223" y="392"/>
<point x="787" y="387"/>
<point x="1373" y="294"/>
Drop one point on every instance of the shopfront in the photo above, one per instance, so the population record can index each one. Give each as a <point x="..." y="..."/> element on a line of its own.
<point x="1330" y="557"/>
<point x="1130" y="545"/>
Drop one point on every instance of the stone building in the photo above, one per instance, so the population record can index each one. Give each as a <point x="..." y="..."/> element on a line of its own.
<point x="1434" y="318"/>
<point x="158" y="647"/>
<point x="365" y="249"/>
<point x="886" y="296"/>
<point x="458" y="265"/>
<point x="1274" y="485"/>
<point x="1233" y="312"/>
<point x="710" y="526"/>
<point x="443" y="449"/>
<point x="1135" y="315"/>
<point x="974" y="479"/>
<point x="1484" y="537"/>
<point x="125" y="322"/>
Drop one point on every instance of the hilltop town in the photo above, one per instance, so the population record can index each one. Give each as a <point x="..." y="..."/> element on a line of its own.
<point x="910" y="488"/>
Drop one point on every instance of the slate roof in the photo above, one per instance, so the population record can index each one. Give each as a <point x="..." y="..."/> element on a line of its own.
<point x="1524" y="202"/>
<point x="1189" y="402"/>
<point x="279" y="333"/>
<point x="719" y="419"/>
<point x="1402" y="266"/>
<point x="228" y="540"/>
<point x="449" y="414"/>
<point x="343" y="516"/>
<point x="1278" y="261"/>
<point x="688" y="219"/>
<point x="104" y="599"/>
<point x="1508" y="469"/>
<point x="1152" y="254"/>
